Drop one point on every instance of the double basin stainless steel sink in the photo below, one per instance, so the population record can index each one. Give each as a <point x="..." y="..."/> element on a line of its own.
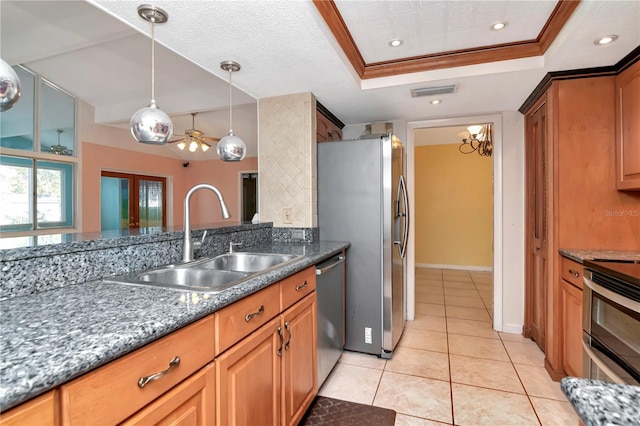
<point x="208" y="275"/>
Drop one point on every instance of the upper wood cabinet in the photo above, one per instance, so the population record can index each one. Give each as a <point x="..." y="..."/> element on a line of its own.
<point x="628" y="128"/>
<point x="328" y="126"/>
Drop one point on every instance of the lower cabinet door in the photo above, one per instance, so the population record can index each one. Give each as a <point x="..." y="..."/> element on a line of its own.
<point x="192" y="402"/>
<point x="248" y="379"/>
<point x="300" y="359"/>
<point x="571" y="329"/>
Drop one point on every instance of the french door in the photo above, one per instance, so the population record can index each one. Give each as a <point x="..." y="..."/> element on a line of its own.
<point x="130" y="201"/>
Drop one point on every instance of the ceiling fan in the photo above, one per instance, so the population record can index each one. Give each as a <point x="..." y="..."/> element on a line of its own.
<point x="194" y="138"/>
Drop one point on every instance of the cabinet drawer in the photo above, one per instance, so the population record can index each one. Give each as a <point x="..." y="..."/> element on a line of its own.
<point x="236" y="321"/>
<point x="571" y="271"/>
<point x="111" y="393"/>
<point x="297" y="286"/>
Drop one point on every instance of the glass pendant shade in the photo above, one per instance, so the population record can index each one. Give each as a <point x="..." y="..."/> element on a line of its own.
<point x="204" y="147"/>
<point x="151" y="125"/>
<point x="231" y="147"/>
<point x="182" y="145"/>
<point x="10" y="88"/>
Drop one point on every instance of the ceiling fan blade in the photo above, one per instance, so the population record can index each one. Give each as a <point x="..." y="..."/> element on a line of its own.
<point x="208" y="139"/>
<point x="177" y="140"/>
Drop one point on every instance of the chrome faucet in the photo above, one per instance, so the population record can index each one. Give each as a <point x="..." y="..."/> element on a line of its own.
<point x="187" y="253"/>
<point x="232" y="245"/>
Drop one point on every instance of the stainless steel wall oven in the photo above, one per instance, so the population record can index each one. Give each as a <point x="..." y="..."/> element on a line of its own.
<point x="611" y="321"/>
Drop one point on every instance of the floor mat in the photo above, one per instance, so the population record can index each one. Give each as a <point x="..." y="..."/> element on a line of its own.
<point x="328" y="411"/>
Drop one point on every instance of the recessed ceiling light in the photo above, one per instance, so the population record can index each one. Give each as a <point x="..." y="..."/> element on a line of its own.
<point x="435" y="101"/>
<point x="500" y="25"/>
<point x="395" y="43"/>
<point x="606" y="40"/>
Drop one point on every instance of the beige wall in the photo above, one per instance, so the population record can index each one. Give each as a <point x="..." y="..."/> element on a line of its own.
<point x="453" y="206"/>
<point x="287" y="159"/>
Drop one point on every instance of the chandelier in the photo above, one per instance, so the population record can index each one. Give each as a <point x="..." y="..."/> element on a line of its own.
<point x="479" y="139"/>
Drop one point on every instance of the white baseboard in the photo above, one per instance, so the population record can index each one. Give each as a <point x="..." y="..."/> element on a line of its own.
<point x="461" y="267"/>
<point x="512" y="328"/>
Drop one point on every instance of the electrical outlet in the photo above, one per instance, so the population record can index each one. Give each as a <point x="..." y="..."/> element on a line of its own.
<point x="297" y="234"/>
<point x="367" y="335"/>
<point x="287" y="215"/>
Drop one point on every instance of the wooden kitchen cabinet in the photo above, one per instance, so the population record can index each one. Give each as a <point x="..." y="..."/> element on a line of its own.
<point x="111" y="393"/>
<point x="192" y="402"/>
<point x="299" y="359"/>
<point x="326" y="129"/>
<point x="41" y="411"/>
<point x="571" y="341"/>
<point x="248" y="379"/>
<point x="628" y="128"/>
<point x="270" y="377"/>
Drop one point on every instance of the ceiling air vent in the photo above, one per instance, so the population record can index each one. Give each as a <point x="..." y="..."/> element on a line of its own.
<point x="432" y="91"/>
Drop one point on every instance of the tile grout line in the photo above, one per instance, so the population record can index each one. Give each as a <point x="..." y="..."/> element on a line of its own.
<point x="446" y="328"/>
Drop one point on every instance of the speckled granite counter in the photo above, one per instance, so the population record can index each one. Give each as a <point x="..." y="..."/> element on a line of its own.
<point x="582" y="255"/>
<point x="601" y="403"/>
<point x="51" y="337"/>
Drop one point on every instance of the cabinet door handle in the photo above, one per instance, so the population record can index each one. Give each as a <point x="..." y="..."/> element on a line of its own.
<point x="279" y="351"/>
<point x="301" y="286"/>
<point x="288" y="327"/>
<point x="574" y="273"/>
<point x="259" y="312"/>
<point x="142" y="382"/>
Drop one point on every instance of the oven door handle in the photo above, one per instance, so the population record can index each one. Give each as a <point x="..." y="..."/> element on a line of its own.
<point x="601" y="364"/>
<point x="614" y="297"/>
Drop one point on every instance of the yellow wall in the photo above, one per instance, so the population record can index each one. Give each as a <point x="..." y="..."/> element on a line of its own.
<point x="454" y="216"/>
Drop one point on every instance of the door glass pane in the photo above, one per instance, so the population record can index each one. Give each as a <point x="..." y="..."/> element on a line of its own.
<point x="16" y="187"/>
<point x="16" y="124"/>
<point x="150" y="203"/>
<point x="54" y="192"/>
<point x="114" y="202"/>
<point x="57" y="112"/>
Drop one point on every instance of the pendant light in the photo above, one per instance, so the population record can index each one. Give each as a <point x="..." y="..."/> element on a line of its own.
<point x="10" y="89"/>
<point x="59" y="149"/>
<point x="150" y="124"/>
<point x="231" y="147"/>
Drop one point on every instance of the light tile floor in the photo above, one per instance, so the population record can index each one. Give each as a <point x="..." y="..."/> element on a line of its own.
<point x="450" y="367"/>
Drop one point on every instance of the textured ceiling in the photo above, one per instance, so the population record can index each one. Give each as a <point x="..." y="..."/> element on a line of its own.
<point x="99" y="51"/>
<point x="428" y="27"/>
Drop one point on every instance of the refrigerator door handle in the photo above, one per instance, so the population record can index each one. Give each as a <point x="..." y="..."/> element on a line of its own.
<point x="405" y="213"/>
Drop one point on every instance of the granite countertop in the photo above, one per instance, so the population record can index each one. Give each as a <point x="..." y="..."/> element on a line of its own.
<point x="580" y="255"/>
<point x="602" y="403"/>
<point x="52" y="337"/>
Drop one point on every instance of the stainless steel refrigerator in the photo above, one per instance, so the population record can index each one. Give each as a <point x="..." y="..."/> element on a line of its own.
<point x="362" y="198"/>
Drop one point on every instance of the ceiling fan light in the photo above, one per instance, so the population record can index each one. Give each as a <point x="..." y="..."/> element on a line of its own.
<point x="193" y="146"/>
<point x="182" y="145"/>
<point x="204" y="146"/>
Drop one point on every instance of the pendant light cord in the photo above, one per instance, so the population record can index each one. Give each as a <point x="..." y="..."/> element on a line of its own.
<point x="153" y="62"/>
<point x="230" y="102"/>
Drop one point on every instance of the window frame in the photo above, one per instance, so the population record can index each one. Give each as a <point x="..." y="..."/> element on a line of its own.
<point x="37" y="155"/>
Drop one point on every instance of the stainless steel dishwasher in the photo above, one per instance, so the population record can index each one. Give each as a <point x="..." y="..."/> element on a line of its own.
<point x="330" y="295"/>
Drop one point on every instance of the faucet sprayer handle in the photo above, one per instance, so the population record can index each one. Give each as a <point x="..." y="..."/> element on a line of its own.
<point x="198" y="244"/>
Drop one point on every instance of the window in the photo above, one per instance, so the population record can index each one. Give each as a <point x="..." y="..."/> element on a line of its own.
<point x="36" y="194"/>
<point x="38" y="161"/>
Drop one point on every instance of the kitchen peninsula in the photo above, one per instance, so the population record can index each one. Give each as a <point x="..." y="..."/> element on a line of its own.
<point x="54" y="331"/>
